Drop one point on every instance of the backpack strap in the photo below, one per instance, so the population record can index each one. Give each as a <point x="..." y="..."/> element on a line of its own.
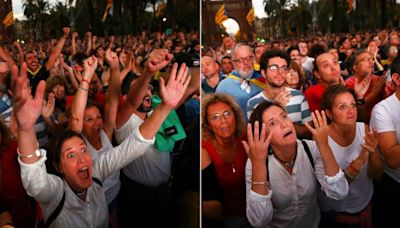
<point x="60" y="205"/>
<point x="97" y="181"/>
<point x="307" y="149"/>
<point x="56" y="212"/>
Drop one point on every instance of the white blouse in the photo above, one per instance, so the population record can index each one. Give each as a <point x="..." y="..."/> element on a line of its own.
<point x="292" y="199"/>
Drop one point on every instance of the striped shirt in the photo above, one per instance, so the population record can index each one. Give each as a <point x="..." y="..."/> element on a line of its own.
<point x="297" y="108"/>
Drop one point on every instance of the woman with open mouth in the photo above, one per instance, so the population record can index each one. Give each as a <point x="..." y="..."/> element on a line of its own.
<point x="284" y="173"/>
<point x="83" y="202"/>
<point x="354" y="147"/>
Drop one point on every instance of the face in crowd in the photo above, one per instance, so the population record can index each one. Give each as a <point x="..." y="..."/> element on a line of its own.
<point x="363" y="64"/>
<point x="303" y="47"/>
<point x="226" y="65"/>
<point x="32" y="60"/>
<point x="209" y="67"/>
<point x="295" y="56"/>
<point x="243" y="61"/>
<point x="221" y="119"/>
<point x="343" y="109"/>
<point x="275" y="73"/>
<point x="259" y="50"/>
<point x="328" y="71"/>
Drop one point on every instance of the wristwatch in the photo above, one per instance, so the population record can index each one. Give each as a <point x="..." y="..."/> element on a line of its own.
<point x="360" y="101"/>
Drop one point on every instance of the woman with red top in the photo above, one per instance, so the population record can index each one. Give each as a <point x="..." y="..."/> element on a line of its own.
<point x="13" y="197"/>
<point x="223" y="163"/>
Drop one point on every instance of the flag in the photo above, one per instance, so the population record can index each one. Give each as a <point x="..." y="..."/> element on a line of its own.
<point x="352" y="5"/>
<point x="250" y="16"/>
<point x="108" y="8"/>
<point x="220" y="16"/>
<point x="9" y="19"/>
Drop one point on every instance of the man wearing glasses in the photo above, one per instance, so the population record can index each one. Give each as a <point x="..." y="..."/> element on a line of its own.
<point x="243" y="83"/>
<point x="362" y="63"/>
<point x="274" y="68"/>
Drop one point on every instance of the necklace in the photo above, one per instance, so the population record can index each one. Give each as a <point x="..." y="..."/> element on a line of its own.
<point x="288" y="164"/>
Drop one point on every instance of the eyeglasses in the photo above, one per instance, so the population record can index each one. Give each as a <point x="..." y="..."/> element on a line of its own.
<point x="275" y="68"/>
<point x="217" y="116"/>
<point x="243" y="59"/>
<point x="369" y="59"/>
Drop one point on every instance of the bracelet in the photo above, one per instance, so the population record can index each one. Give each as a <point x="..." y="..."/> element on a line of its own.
<point x="259" y="182"/>
<point x="83" y="89"/>
<point x="351" y="167"/>
<point x="85" y="80"/>
<point x="36" y="153"/>
<point x="348" y="174"/>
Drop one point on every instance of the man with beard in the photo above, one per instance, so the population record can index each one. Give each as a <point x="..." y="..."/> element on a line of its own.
<point x="144" y="199"/>
<point x="37" y="72"/>
<point x="362" y="63"/>
<point x="243" y="83"/>
<point x="274" y="67"/>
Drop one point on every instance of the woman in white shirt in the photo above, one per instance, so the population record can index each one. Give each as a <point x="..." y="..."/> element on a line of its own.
<point x="84" y="202"/>
<point x="282" y="186"/>
<point x="354" y="147"/>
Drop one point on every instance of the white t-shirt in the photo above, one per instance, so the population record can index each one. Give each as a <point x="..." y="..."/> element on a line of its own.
<point x="385" y="117"/>
<point x="111" y="185"/>
<point x="292" y="199"/>
<point x="361" y="189"/>
<point x="151" y="169"/>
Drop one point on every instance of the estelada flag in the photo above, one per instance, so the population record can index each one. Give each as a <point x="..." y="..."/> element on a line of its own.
<point x="250" y="16"/>
<point x="220" y="16"/>
<point x="108" y="7"/>
<point x="9" y="19"/>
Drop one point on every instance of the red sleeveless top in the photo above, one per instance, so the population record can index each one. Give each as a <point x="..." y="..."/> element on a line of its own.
<point x="231" y="178"/>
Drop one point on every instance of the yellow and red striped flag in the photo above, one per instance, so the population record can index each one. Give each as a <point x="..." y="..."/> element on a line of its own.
<point x="108" y="7"/>
<point x="9" y="19"/>
<point x="221" y="16"/>
<point x="250" y="16"/>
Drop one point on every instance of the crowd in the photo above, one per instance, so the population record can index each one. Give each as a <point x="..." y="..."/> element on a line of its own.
<point x="301" y="132"/>
<point x="100" y="131"/>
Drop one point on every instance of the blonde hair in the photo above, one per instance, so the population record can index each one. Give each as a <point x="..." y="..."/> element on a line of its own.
<point x="211" y="99"/>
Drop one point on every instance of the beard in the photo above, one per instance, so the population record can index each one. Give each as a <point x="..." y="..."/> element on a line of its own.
<point x="143" y="108"/>
<point x="244" y="74"/>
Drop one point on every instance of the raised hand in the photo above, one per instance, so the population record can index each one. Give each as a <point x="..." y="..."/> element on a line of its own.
<point x="176" y="86"/>
<point x="257" y="145"/>
<point x="75" y="35"/>
<point x="111" y="58"/>
<point x="320" y="129"/>
<point x="90" y="66"/>
<point x="361" y="88"/>
<point x="283" y="97"/>
<point x="48" y="106"/>
<point x="371" y="141"/>
<point x="26" y="108"/>
<point x="88" y="34"/>
<point x="157" y="60"/>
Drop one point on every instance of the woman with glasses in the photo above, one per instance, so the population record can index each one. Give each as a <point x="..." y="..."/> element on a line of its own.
<point x="354" y="147"/>
<point x="283" y="173"/>
<point x="223" y="162"/>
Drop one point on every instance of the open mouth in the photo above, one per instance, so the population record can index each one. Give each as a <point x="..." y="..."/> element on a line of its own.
<point x="84" y="173"/>
<point x="287" y="134"/>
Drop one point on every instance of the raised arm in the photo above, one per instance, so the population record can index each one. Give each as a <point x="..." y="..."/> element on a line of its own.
<point x="158" y="59"/>
<point x="171" y="94"/>
<point x="79" y="103"/>
<point x="73" y="43"/>
<point x="89" y="43"/>
<point x="111" y="106"/>
<point x="26" y="110"/>
<point x="57" y="49"/>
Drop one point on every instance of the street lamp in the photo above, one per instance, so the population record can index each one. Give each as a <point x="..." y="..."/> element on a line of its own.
<point x="231" y="26"/>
